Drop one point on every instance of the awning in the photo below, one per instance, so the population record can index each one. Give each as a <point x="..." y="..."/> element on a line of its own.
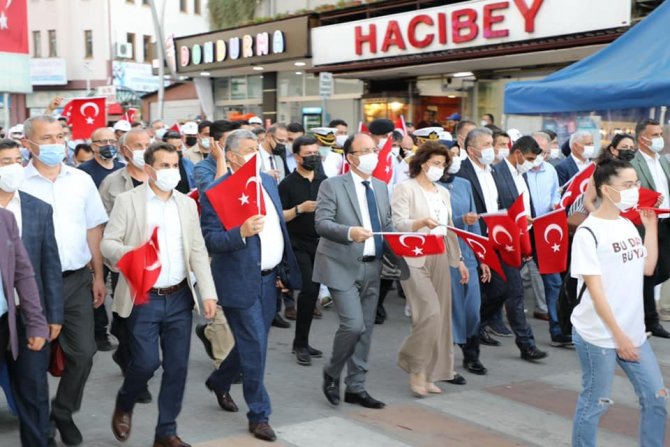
<point x="633" y="71"/>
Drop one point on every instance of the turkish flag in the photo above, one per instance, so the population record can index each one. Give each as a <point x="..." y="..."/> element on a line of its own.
<point x="195" y="195"/>
<point x="576" y="186"/>
<point x="517" y="212"/>
<point x="504" y="234"/>
<point x="648" y="199"/>
<point x="384" y="169"/>
<point x="482" y="249"/>
<point x="67" y="111"/>
<point x="130" y="115"/>
<point x="175" y="127"/>
<point x="87" y="115"/>
<point x="399" y="124"/>
<point x="551" y="242"/>
<point x="362" y="128"/>
<point x="656" y="210"/>
<point x="345" y="167"/>
<point x="141" y="267"/>
<point x="414" y="245"/>
<point x="14" y="26"/>
<point x="232" y="199"/>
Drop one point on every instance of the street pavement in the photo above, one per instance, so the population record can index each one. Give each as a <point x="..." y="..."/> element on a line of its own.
<point x="516" y="404"/>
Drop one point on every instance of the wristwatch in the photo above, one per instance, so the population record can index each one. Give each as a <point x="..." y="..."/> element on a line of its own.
<point x="297" y="211"/>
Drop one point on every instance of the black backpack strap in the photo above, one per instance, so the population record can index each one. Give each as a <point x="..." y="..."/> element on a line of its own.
<point x="583" y="289"/>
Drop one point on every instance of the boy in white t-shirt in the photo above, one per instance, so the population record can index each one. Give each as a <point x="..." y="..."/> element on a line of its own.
<point x="610" y="258"/>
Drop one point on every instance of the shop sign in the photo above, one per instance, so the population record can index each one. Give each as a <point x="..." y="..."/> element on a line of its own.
<point x="48" y="71"/>
<point x="463" y="25"/>
<point x="325" y="84"/>
<point x="270" y="42"/>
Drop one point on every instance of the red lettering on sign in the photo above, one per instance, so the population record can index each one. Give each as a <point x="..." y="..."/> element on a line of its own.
<point x="370" y="39"/>
<point x="529" y="14"/>
<point x="411" y="31"/>
<point x="393" y="37"/>
<point x="464" y="20"/>
<point x="490" y="20"/>
<point x="442" y="28"/>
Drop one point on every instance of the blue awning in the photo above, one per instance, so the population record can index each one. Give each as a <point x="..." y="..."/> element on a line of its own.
<point x="633" y="71"/>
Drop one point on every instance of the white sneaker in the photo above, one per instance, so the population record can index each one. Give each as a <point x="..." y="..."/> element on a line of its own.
<point x="408" y="311"/>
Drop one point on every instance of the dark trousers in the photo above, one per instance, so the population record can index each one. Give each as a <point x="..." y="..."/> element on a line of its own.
<point x="163" y="324"/>
<point x="28" y="377"/>
<point x="118" y="329"/>
<point x="250" y="327"/>
<point x="78" y="343"/>
<point x="4" y="338"/>
<point x="661" y="274"/>
<point x="651" y="317"/>
<point x="305" y="253"/>
<point x="497" y="293"/>
<point x="100" y="314"/>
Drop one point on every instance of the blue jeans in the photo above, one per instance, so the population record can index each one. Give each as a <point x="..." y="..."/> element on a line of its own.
<point x="552" y="288"/>
<point x="598" y="366"/>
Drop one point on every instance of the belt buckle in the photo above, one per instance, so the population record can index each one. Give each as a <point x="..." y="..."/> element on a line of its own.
<point x="162" y="292"/>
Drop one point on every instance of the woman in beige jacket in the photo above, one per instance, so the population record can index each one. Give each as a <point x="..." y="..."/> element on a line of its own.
<point x="421" y="205"/>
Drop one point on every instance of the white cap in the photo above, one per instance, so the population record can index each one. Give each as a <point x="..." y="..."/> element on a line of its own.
<point x="18" y="128"/>
<point x="514" y="134"/>
<point x="255" y="120"/>
<point x="189" y="128"/>
<point x="444" y="135"/>
<point x="122" y="125"/>
<point x="160" y="132"/>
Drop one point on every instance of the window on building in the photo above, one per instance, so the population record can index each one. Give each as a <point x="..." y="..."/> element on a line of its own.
<point x="182" y="6"/>
<point x="37" y="44"/>
<point x="88" y="44"/>
<point x="148" y="48"/>
<point x="130" y="38"/>
<point x="197" y="7"/>
<point x="53" y="47"/>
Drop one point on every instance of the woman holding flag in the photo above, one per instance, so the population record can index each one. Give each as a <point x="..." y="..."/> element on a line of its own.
<point x="421" y="205"/>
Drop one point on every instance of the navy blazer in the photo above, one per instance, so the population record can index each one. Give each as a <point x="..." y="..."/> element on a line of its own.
<point x="508" y="193"/>
<point x="236" y="264"/>
<point x="566" y="170"/>
<point x="37" y="233"/>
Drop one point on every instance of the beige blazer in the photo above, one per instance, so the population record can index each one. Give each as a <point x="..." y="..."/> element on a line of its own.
<point x="127" y="229"/>
<point x="409" y="204"/>
<point x="114" y="184"/>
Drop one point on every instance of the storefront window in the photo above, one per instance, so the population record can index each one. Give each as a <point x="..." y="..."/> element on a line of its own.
<point x="221" y="89"/>
<point x="255" y="87"/>
<point x="238" y="88"/>
<point x="311" y="85"/>
<point x="290" y="84"/>
<point x="348" y="86"/>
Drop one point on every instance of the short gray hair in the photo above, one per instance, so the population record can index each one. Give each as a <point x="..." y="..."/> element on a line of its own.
<point x="542" y="135"/>
<point x="579" y="136"/>
<point x="474" y="134"/>
<point x="275" y="127"/>
<point x="135" y="131"/>
<point x="28" y="124"/>
<point x="236" y="136"/>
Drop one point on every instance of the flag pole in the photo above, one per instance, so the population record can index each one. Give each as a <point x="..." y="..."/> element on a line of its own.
<point x="258" y="183"/>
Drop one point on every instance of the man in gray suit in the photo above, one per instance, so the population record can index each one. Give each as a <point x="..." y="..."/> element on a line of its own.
<point x="350" y="208"/>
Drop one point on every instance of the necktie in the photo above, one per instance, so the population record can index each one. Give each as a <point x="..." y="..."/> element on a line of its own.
<point x="374" y="217"/>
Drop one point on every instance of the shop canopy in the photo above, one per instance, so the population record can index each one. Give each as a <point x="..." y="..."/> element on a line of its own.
<point x="633" y="71"/>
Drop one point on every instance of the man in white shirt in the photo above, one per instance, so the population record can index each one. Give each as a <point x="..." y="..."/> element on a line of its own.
<point x="273" y="151"/>
<point x="79" y="217"/>
<point x="582" y="151"/>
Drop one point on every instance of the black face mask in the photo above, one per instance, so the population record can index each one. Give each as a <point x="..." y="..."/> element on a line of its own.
<point x="311" y="162"/>
<point x="108" y="152"/>
<point x="626" y="155"/>
<point x="191" y="141"/>
<point x="279" y="149"/>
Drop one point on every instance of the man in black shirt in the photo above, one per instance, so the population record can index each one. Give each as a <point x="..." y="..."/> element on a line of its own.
<point x="105" y="152"/>
<point x="298" y="192"/>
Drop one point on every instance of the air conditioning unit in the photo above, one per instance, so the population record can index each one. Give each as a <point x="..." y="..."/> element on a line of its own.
<point x="124" y="50"/>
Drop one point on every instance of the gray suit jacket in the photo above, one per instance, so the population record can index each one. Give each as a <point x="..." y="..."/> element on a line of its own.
<point x="643" y="172"/>
<point x="336" y="264"/>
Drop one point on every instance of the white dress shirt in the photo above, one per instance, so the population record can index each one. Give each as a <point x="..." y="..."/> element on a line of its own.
<point x="521" y="186"/>
<point x="580" y="164"/>
<point x="488" y="185"/>
<point x="660" y="180"/>
<point x="14" y="206"/>
<point x="165" y="216"/>
<point x="272" y="239"/>
<point x="332" y="165"/>
<point x="369" y="245"/>
<point x="77" y="207"/>
<point x="272" y="162"/>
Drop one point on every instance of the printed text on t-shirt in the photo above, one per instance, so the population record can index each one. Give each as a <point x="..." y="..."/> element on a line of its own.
<point x="630" y="249"/>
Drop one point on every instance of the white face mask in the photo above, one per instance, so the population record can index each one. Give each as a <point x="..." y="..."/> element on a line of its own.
<point x="657" y="144"/>
<point x="382" y="142"/>
<point x="434" y="173"/>
<point x="524" y="167"/>
<point x="483" y="123"/>
<point x="502" y="154"/>
<point x="554" y="153"/>
<point x="249" y="157"/>
<point x="367" y="163"/>
<point x="11" y="177"/>
<point x="138" y="158"/>
<point x="629" y="199"/>
<point x="340" y="139"/>
<point x="487" y="157"/>
<point x="589" y="152"/>
<point x="455" y="165"/>
<point x="395" y="150"/>
<point x="167" y="179"/>
<point x="538" y="161"/>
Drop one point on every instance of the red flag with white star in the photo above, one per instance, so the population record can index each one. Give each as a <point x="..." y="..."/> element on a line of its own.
<point x="87" y="115"/>
<point x="482" y="249"/>
<point x="504" y="234"/>
<point x="384" y="169"/>
<point x="14" y="26"/>
<point x="551" y="242"/>
<point x="141" y="268"/>
<point x="576" y="186"/>
<point x="67" y="111"/>
<point x="399" y="124"/>
<point x="414" y="245"/>
<point x="517" y="212"/>
<point x="239" y="196"/>
<point x="648" y="199"/>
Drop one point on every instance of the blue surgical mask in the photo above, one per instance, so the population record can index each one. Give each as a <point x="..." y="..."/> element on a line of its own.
<point x="657" y="144"/>
<point x="25" y="153"/>
<point x="205" y="143"/>
<point x="52" y="154"/>
<point x="487" y="156"/>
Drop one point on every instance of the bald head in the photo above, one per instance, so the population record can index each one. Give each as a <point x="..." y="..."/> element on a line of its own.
<point x="134" y="136"/>
<point x="361" y="142"/>
<point x="103" y="133"/>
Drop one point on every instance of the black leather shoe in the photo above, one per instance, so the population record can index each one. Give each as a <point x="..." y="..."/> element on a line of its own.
<point x="69" y="433"/>
<point x="457" y="380"/>
<point x="331" y="389"/>
<point x="475" y="367"/>
<point x="302" y="356"/>
<point x="314" y="352"/>
<point x="380" y="318"/>
<point x="659" y="331"/>
<point x="200" y="332"/>
<point x="262" y="431"/>
<point x="103" y="344"/>
<point x="144" y="397"/>
<point x="280" y="322"/>
<point x="225" y="400"/>
<point x="486" y="339"/>
<point x="562" y="341"/>
<point x="532" y="354"/>
<point x="364" y="400"/>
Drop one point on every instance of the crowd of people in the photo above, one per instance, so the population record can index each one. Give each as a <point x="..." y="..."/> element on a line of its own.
<point x="73" y="214"/>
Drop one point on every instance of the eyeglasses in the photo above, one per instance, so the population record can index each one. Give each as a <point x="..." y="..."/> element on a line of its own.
<point x="630" y="185"/>
<point x="364" y="151"/>
<point x="104" y="142"/>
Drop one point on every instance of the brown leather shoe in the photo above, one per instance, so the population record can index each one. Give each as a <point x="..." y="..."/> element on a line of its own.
<point x="290" y="314"/>
<point x="262" y="431"/>
<point x="225" y="400"/>
<point x="541" y="315"/>
<point x="170" y="441"/>
<point x="121" y="424"/>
